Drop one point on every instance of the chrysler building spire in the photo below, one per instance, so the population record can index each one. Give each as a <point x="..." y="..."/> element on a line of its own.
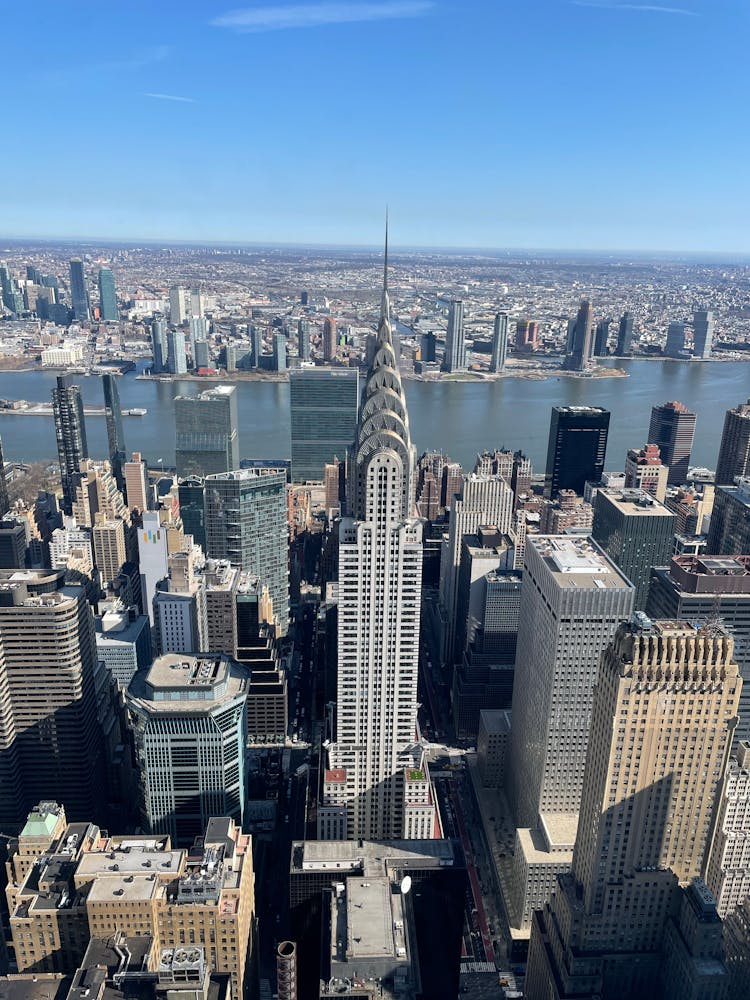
<point x="383" y="425"/>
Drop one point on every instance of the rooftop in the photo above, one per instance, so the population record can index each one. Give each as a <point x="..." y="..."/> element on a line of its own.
<point x="495" y="720"/>
<point x="635" y="503"/>
<point x="130" y="859"/>
<point x="372" y="857"/>
<point x="126" y="887"/>
<point x="577" y="562"/>
<point x="180" y="682"/>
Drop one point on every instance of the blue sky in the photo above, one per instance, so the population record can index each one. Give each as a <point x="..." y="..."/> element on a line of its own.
<point x="497" y="123"/>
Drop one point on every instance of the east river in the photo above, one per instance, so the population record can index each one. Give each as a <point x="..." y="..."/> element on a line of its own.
<point x="460" y="418"/>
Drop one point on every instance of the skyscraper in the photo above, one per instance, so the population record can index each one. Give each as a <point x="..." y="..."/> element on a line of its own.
<point x="644" y="470"/>
<point x="580" y="345"/>
<point x="47" y="667"/>
<point x="499" y="343"/>
<point x="728" y="860"/>
<point x="4" y="500"/>
<point x="192" y="509"/>
<point x="572" y="600"/>
<point x="323" y="404"/>
<point x="625" y="335"/>
<point x="455" y="343"/>
<point x="672" y="428"/>
<point x="159" y="345"/>
<point x="729" y="531"/>
<point x="675" y="343"/>
<point x="246" y="523"/>
<point x="703" y="333"/>
<point x="179" y="305"/>
<point x="527" y="336"/>
<point x="702" y="589"/>
<point x="303" y="339"/>
<point x="577" y="447"/>
<point x="115" y="434"/>
<point x="484" y="500"/>
<point x="136" y="491"/>
<point x="256" y="339"/>
<point x="601" y="338"/>
<point x="734" y="453"/>
<point x="177" y="356"/>
<point x="663" y="712"/>
<point x="636" y="532"/>
<point x="190" y="730"/>
<point x="376" y="785"/>
<point x="279" y="351"/>
<point x="107" y="296"/>
<point x="329" y="339"/>
<point x="78" y="292"/>
<point x="207" y="436"/>
<point x="70" y="432"/>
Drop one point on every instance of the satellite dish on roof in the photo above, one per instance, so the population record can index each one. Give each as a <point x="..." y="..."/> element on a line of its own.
<point x="405" y="884"/>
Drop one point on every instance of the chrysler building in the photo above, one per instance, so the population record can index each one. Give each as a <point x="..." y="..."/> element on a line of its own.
<point x="376" y="785"/>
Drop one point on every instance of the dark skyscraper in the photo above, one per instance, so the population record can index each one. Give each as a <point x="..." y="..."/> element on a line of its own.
<point x="107" y="296"/>
<point x="734" y="453"/>
<point x="303" y="340"/>
<point x="78" y="294"/>
<point x="323" y="408"/>
<point x="601" y="338"/>
<point x="579" y="353"/>
<point x="625" y="334"/>
<point x="4" y="501"/>
<point x="115" y="434"/>
<point x="499" y="343"/>
<point x="70" y="432"/>
<point x="159" y="342"/>
<point x="636" y="532"/>
<point x="527" y="336"/>
<point x="577" y="447"/>
<point x="672" y="427"/>
<point x="190" y="493"/>
<point x="729" y="532"/>
<point x="207" y="437"/>
<point x="455" y="343"/>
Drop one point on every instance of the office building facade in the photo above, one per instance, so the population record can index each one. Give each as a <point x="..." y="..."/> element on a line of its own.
<point x="47" y="670"/>
<point x="484" y="500"/>
<point x="159" y="346"/>
<point x="664" y="707"/>
<point x="625" y="335"/>
<point x="636" y="532"/>
<point x="577" y="447"/>
<point x="672" y="428"/>
<point x="455" y="342"/>
<point x="703" y="333"/>
<point x="675" y="343"/>
<point x="580" y="340"/>
<point x="499" y="343"/>
<point x="728" y="861"/>
<point x="644" y="470"/>
<point x="734" y="453"/>
<point x="323" y="408"/>
<point x="70" y="434"/>
<point x="207" y="434"/>
<point x="115" y="433"/>
<point x="246" y="523"/>
<point x="107" y="296"/>
<point x="729" y="530"/>
<point x="176" y="353"/>
<point x="79" y="295"/>
<point x="330" y="343"/>
<point x="572" y="600"/>
<point x="303" y="339"/>
<point x="703" y="589"/>
<point x="190" y="732"/>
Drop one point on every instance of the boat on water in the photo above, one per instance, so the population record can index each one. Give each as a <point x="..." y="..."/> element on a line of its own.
<point x="135" y="411"/>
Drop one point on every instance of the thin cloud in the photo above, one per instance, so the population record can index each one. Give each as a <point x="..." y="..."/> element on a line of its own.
<point x="171" y="97"/>
<point x="318" y="15"/>
<point x="649" y="8"/>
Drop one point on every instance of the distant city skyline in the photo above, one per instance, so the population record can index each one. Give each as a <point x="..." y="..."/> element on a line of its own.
<point x="521" y="153"/>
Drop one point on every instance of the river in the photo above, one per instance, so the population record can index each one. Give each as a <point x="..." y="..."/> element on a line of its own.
<point x="461" y="418"/>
